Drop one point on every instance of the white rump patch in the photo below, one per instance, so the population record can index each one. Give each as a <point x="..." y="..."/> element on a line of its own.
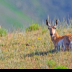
<point x="71" y="42"/>
<point x="70" y="45"/>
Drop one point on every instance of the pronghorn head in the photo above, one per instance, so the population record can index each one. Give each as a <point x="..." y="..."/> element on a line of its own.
<point x="52" y="29"/>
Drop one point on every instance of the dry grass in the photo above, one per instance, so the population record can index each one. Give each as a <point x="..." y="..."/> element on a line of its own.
<point x="29" y="50"/>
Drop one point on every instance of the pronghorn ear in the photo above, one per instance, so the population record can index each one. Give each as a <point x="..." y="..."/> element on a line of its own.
<point x="47" y="23"/>
<point x="56" y="24"/>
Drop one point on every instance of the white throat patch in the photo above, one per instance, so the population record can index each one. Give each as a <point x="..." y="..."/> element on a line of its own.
<point x="53" y="33"/>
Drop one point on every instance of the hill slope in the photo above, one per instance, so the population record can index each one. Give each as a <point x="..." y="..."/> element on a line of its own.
<point x="21" y="13"/>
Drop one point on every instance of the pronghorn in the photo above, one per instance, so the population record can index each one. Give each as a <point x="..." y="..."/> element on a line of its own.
<point x="64" y="41"/>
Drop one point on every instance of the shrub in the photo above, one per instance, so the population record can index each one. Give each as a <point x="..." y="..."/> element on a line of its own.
<point x="33" y="27"/>
<point x="3" y="32"/>
<point x="61" y="67"/>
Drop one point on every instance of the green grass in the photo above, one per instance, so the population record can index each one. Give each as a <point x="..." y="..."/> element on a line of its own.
<point x="51" y="63"/>
<point x="61" y="67"/>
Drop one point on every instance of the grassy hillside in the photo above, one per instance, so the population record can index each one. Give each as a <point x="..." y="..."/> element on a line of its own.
<point x="33" y="50"/>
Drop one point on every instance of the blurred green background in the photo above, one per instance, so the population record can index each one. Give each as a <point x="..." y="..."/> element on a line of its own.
<point x="22" y="13"/>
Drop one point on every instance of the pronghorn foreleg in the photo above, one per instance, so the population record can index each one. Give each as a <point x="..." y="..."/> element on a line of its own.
<point x="57" y="48"/>
<point x="60" y="45"/>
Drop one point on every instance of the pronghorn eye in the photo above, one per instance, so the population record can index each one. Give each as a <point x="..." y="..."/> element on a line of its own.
<point x="54" y="27"/>
<point x="48" y="28"/>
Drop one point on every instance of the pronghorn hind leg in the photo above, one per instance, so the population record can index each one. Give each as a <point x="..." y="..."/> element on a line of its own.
<point x="66" y="47"/>
<point x="66" y="43"/>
